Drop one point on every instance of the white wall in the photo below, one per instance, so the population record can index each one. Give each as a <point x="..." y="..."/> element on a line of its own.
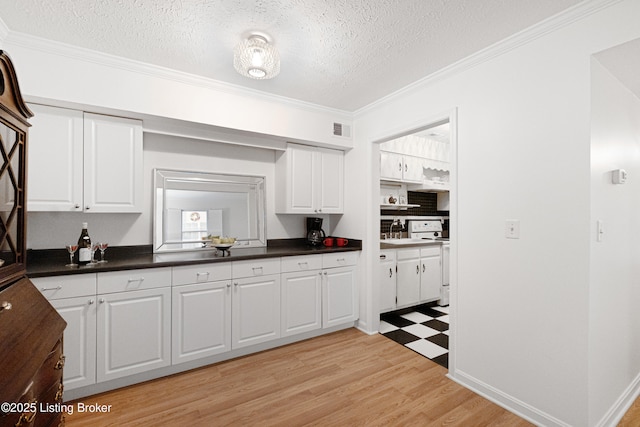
<point x="521" y="306"/>
<point x="47" y="230"/>
<point x="614" y="324"/>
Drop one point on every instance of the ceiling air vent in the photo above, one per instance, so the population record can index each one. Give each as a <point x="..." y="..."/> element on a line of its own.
<point x="340" y="129"/>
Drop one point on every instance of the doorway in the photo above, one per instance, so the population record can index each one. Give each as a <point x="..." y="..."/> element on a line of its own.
<point x="416" y="177"/>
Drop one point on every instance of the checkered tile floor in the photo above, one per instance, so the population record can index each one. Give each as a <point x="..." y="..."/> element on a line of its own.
<point x="424" y="329"/>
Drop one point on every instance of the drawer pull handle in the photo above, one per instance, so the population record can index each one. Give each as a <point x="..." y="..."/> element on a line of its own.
<point x="257" y="270"/>
<point x="301" y="264"/>
<point x="340" y="260"/>
<point x="390" y="272"/>
<point x="60" y="392"/>
<point x="27" y="417"/>
<point x="131" y="280"/>
<point x="383" y="256"/>
<point x="60" y="363"/>
<point x="206" y="273"/>
<point x="6" y="305"/>
<point x="91" y="301"/>
<point x="57" y="288"/>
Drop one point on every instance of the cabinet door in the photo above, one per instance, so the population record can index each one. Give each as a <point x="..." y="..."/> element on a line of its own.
<point x="391" y="166"/>
<point x="256" y="310"/>
<point x="430" y="278"/>
<point x="112" y="164"/>
<point x="301" y="302"/>
<point x="331" y="181"/>
<point x="302" y="166"/>
<point x="339" y="296"/>
<point x="201" y="320"/>
<point x="79" y="340"/>
<point x="387" y="274"/>
<point x="55" y="159"/>
<point x="408" y="282"/>
<point x="134" y="332"/>
<point x="412" y="171"/>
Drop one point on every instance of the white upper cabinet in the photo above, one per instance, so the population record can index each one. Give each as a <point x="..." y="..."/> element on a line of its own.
<point x="311" y="179"/>
<point x="55" y="159"/>
<point x="112" y="164"/>
<point x="399" y="167"/>
<point x="84" y="162"/>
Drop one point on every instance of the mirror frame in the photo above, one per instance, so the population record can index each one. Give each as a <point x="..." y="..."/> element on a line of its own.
<point x="194" y="179"/>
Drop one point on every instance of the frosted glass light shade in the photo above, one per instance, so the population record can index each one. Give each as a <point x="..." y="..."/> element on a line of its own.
<point x="256" y="58"/>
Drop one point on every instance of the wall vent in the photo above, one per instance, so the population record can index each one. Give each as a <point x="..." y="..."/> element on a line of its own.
<point x="340" y="129"/>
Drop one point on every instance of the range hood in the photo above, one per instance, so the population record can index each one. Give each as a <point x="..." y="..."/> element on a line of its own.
<point x="430" y="186"/>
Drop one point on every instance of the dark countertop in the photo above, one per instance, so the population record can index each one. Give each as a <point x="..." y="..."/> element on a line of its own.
<point x="51" y="262"/>
<point x="424" y="243"/>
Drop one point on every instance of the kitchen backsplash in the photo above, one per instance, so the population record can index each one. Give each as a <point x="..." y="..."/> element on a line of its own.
<point x="428" y="207"/>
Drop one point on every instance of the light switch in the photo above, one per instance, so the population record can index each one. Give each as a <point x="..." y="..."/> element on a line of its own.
<point x="512" y="229"/>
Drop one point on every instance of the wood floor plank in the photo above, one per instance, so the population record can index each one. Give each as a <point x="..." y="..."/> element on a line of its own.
<point x="342" y="379"/>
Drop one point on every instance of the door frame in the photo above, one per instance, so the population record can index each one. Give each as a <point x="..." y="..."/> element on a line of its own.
<point x="374" y="232"/>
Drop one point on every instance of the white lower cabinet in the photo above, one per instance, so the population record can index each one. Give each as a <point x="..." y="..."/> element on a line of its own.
<point x="408" y="278"/>
<point x="201" y="311"/>
<point x="74" y="297"/>
<point x="123" y="323"/>
<point x="387" y="274"/>
<point x="339" y="289"/>
<point x="79" y="344"/>
<point x="301" y="282"/>
<point x="134" y="324"/>
<point x="255" y="302"/>
<point x="201" y="320"/>
<point x="430" y="273"/>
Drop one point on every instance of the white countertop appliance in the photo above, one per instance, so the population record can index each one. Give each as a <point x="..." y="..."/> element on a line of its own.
<point x="428" y="229"/>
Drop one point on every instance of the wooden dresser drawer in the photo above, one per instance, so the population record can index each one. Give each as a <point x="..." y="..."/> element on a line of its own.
<point x="70" y="286"/>
<point x="339" y="259"/>
<point x="301" y="263"/>
<point x="190" y="274"/>
<point x="51" y="371"/>
<point x="258" y="267"/>
<point x="133" y="280"/>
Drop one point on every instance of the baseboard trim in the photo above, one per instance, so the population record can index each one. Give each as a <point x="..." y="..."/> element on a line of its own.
<point x="622" y="405"/>
<point x="506" y="401"/>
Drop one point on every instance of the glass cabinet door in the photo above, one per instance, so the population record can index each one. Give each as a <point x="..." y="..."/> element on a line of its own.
<point x="11" y="195"/>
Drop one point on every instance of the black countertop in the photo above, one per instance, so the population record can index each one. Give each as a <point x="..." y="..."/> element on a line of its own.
<point x="51" y="262"/>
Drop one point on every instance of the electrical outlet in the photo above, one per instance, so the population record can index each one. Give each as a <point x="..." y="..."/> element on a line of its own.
<point x="512" y="229"/>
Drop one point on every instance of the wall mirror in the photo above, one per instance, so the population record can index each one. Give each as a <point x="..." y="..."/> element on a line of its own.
<point x="191" y="205"/>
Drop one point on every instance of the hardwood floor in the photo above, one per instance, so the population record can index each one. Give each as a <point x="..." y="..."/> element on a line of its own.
<point x="346" y="378"/>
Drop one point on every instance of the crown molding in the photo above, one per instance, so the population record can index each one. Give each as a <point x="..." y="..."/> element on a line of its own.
<point x="113" y="61"/>
<point x="521" y="38"/>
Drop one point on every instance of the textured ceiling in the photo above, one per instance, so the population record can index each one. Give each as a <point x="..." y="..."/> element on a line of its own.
<point x="343" y="54"/>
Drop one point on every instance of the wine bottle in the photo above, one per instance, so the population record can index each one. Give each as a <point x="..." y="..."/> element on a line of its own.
<point x="84" y="245"/>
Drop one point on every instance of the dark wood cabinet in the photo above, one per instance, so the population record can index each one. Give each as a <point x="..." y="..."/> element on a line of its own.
<point x="31" y="359"/>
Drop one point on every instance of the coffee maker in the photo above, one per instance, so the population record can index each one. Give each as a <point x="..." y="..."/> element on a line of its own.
<point x="315" y="233"/>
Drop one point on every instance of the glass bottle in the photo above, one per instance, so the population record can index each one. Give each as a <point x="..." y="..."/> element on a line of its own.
<point x="84" y="245"/>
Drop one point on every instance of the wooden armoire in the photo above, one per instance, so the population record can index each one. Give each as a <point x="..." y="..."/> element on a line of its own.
<point x="31" y="359"/>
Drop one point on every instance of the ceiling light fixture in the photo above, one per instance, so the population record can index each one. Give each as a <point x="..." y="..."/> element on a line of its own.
<point x="256" y="58"/>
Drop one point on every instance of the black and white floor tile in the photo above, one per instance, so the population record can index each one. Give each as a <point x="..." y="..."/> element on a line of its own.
<point x="424" y="329"/>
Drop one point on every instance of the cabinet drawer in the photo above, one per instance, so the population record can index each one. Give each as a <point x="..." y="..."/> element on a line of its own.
<point x="339" y="259"/>
<point x="133" y="280"/>
<point x="56" y="287"/>
<point x="301" y="263"/>
<point x="408" y="254"/>
<point x="190" y="274"/>
<point x="433" y="250"/>
<point x="252" y="268"/>
<point x="387" y="256"/>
